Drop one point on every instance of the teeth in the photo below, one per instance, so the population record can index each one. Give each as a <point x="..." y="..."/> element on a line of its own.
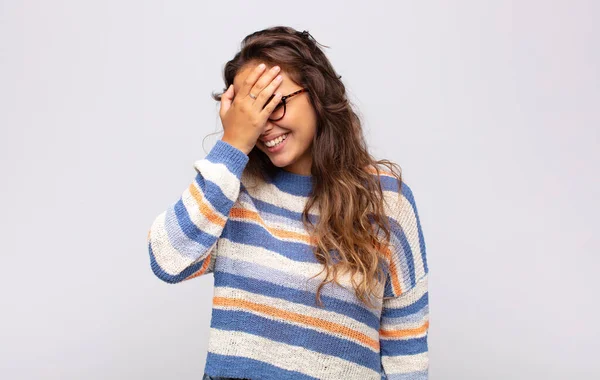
<point x="276" y="141"/>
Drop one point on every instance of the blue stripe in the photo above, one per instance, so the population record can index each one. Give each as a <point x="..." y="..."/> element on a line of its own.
<point x="213" y="194"/>
<point x="307" y="298"/>
<point x="274" y="209"/>
<point x="387" y="290"/>
<point x="240" y="367"/>
<point x="302" y="337"/>
<point x="389" y="183"/>
<point x="256" y="235"/>
<point x="184" y="236"/>
<point x="418" y="375"/>
<point x="403" y="251"/>
<point x="234" y="159"/>
<point x="407" y="192"/>
<point x="398" y="347"/>
<point x="417" y="317"/>
<point x="407" y="310"/>
<point x="160" y="273"/>
<point x="252" y="234"/>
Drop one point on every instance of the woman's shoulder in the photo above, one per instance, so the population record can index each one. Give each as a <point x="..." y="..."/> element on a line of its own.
<point x="399" y="199"/>
<point x="390" y="180"/>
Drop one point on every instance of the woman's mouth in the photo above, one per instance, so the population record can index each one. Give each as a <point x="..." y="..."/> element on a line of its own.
<point x="277" y="144"/>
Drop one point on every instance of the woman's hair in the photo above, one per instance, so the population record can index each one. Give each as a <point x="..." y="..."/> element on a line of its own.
<point x="349" y="197"/>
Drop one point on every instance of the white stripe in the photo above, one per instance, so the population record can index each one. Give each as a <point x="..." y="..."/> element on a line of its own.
<point x="297" y="273"/>
<point x="166" y="256"/>
<point x="269" y="193"/>
<point x="220" y="175"/>
<point x="406" y="363"/>
<point x="414" y="320"/>
<point x="271" y="219"/>
<point x="410" y="297"/>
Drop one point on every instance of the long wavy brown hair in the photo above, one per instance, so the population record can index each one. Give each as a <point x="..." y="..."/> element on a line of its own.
<point x="351" y="223"/>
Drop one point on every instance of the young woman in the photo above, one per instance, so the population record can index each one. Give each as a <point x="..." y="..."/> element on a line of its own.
<point x="318" y="256"/>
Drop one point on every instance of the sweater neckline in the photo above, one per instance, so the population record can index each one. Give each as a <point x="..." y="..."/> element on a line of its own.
<point x="297" y="184"/>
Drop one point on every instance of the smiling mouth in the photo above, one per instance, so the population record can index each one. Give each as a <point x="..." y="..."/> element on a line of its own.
<point x="278" y="147"/>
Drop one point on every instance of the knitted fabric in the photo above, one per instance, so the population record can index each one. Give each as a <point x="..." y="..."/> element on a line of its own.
<point x="265" y="323"/>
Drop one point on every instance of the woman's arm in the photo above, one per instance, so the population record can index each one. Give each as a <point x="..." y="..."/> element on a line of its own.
<point x="404" y="323"/>
<point x="403" y="334"/>
<point x="182" y="240"/>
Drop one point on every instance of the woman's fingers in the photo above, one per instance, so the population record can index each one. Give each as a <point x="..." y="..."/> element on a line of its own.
<point x="273" y="98"/>
<point x="261" y="87"/>
<point x="251" y="79"/>
<point x="268" y="85"/>
<point x="226" y="100"/>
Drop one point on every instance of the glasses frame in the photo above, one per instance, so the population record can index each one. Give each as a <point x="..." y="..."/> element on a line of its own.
<point x="284" y="101"/>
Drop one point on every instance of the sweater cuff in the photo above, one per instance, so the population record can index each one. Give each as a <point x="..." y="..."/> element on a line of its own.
<point x="224" y="153"/>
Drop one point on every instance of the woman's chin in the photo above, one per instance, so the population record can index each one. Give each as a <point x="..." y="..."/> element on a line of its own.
<point x="280" y="162"/>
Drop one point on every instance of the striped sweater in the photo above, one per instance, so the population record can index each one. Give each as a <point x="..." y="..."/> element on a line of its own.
<point x="265" y="323"/>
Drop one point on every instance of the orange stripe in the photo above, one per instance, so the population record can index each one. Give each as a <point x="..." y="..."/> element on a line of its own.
<point x="396" y="286"/>
<point x="248" y="215"/>
<point x="404" y="333"/>
<point x="202" y="269"/>
<point x="204" y="208"/>
<point x="298" y="318"/>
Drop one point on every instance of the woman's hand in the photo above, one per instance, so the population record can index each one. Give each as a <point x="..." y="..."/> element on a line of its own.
<point x="244" y="118"/>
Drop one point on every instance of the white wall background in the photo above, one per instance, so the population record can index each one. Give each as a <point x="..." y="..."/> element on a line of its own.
<point x="491" y="108"/>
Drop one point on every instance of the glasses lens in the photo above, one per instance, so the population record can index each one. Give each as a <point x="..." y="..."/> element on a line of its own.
<point x="277" y="112"/>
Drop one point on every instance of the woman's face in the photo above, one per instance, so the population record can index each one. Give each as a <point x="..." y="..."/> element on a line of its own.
<point x="299" y="124"/>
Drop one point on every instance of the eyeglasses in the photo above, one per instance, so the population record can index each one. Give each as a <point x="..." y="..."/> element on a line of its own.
<point x="279" y="111"/>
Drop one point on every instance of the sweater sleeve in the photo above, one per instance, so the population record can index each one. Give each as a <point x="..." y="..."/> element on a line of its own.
<point x="404" y="323"/>
<point x="182" y="240"/>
